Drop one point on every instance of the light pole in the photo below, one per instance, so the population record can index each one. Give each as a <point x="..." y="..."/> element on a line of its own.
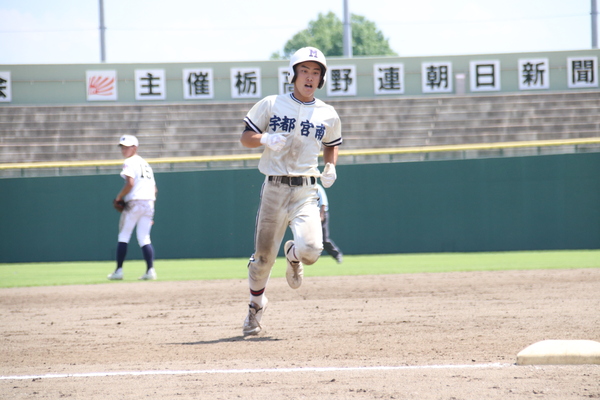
<point x="594" y="25"/>
<point x="102" y="30"/>
<point x="347" y="32"/>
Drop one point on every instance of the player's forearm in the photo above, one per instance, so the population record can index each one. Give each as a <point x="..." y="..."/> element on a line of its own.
<point x="330" y="155"/>
<point x="126" y="189"/>
<point x="250" y="139"/>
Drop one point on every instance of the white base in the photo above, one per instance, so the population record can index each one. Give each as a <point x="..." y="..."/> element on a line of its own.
<point x="560" y="352"/>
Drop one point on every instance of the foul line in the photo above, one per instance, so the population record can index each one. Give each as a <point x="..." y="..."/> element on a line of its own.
<point x="251" y="371"/>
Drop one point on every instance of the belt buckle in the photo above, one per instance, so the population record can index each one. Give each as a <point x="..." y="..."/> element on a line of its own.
<point x="296" y="181"/>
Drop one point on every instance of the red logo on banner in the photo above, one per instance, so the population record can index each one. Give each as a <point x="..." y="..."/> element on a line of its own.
<point x="100" y="85"/>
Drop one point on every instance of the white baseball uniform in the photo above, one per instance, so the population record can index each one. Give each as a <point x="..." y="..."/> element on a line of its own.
<point x="289" y="195"/>
<point x="140" y="201"/>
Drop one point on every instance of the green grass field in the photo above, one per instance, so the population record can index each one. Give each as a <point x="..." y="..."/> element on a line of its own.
<point x="78" y="273"/>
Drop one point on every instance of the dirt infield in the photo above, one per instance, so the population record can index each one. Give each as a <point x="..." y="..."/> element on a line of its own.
<point x="416" y="336"/>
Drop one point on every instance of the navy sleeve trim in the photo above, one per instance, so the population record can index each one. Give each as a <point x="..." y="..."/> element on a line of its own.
<point x="336" y="142"/>
<point x="250" y="125"/>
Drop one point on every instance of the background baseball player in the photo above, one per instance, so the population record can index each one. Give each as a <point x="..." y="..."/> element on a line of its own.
<point x="328" y="245"/>
<point x="292" y="127"/>
<point x="135" y="201"/>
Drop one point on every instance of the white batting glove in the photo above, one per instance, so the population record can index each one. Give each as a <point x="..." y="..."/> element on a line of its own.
<point x="328" y="176"/>
<point x="274" y="142"/>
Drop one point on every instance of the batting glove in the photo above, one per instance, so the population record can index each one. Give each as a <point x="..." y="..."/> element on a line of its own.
<point x="274" y="142"/>
<point x="328" y="176"/>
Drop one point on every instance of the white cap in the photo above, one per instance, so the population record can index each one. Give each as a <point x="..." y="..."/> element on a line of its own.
<point x="128" y="140"/>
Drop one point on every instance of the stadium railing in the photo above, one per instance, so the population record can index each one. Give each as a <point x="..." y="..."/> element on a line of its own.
<point x="362" y="156"/>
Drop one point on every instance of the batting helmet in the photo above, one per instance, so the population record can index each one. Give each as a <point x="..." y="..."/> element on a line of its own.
<point x="308" y="54"/>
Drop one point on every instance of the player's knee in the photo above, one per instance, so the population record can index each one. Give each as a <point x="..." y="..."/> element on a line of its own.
<point x="309" y="254"/>
<point x="144" y="240"/>
<point x="259" y="268"/>
<point x="124" y="237"/>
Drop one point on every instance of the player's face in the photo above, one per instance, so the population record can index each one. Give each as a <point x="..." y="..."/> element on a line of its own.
<point x="308" y="77"/>
<point x="128" y="151"/>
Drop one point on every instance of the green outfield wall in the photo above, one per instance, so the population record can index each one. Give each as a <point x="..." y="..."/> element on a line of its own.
<point x="522" y="203"/>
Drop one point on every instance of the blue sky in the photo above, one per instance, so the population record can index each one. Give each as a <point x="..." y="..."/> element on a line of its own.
<point x="141" y="31"/>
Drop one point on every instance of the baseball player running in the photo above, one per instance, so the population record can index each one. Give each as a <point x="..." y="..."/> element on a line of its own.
<point x="292" y="127"/>
<point x="138" y="195"/>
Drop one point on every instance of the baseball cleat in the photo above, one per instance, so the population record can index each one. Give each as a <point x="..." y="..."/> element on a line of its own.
<point x="116" y="276"/>
<point x="150" y="275"/>
<point x="295" y="270"/>
<point x="252" y="322"/>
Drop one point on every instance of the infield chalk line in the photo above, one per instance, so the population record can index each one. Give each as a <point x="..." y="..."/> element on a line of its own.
<point x="253" y="371"/>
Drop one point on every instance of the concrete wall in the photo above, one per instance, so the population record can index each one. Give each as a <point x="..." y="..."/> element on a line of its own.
<point x="66" y="84"/>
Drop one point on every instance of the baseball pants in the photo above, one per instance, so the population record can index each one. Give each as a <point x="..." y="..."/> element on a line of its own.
<point x="137" y="213"/>
<point x="281" y="206"/>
